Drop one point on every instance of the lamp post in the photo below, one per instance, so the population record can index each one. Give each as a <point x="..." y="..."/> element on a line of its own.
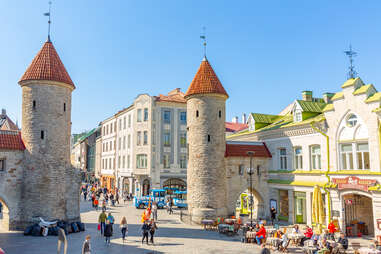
<point x="250" y="172"/>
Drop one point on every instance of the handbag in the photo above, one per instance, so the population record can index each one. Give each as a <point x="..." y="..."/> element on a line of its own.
<point x="99" y="227"/>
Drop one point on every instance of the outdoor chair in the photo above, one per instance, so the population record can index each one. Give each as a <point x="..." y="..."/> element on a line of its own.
<point x="285" y="249"/>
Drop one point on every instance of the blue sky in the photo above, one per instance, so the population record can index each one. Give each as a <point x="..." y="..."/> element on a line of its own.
<point x="264" y="52"/>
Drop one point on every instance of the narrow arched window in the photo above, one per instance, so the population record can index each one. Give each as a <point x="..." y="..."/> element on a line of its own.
<point x="64" y="107"/>
<point x="208" y="138"/>
<point x="34" y="104"/>
<point x="196" y="113"/>
<point x="219" y="114"/>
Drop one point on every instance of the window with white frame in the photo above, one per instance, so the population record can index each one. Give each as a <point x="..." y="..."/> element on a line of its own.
<point x="351" y="120"/>
<point x="128" y="161"/>
<point x="124" y="162"/>
<point x="124" y="123"/>
<point x="120" y="124"/>
<point x="298" y="158"/>
<point x="145" y="114"/>
<point x="298" y="116"/>
<point x="315" y="157"/>
<point x="167" y="138"/>
<point x="141" y="160"/>
<point x="129" y="121"/>
<point x="362" y="154"/>
<point x="183" y="139"/>
<point x="283" y="158"/>
<point x="183" y="161"/>
<point x="139" y="117"/>
<point x="167" y="116"/>
<point x="183" y="117"/>
<point x="124" y="142"/>
<point x="346" y="156"/>
<point x="166" y="161"/>
<point x="355" y="156"/>
<point x="129" y="141"/>
<point x="120" y="143"/>
<point x="145" y="138"/>
<point x="119" y="161"/>
<point x="138" y="138"/>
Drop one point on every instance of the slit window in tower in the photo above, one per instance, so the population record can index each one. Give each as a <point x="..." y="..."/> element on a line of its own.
<point x="219" y="114"/>
<point x="196" y="113"/>
<point x="42" y="134"/>
<point x="208" y="138"/>
<point x="64" y="107"/>
<point x="34" y="104"/>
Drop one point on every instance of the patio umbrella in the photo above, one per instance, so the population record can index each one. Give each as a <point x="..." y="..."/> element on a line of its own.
<point x="317" y="208"/>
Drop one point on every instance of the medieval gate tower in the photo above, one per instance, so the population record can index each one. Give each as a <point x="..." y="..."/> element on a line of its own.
<point x="51" y="185"/>
<point x="206" y="176"/>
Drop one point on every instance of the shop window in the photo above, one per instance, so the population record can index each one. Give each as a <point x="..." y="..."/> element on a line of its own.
<point x="283" y="205"/>
<point x="166" y="161"/>
<point x="300" y="207"/>
<point x="298" y="158"/>
<point x="315" y="157"/>
<point x="283" y="158"/>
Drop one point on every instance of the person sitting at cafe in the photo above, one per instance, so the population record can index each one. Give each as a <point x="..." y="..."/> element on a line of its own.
<point x="257" y="227"/>
<point x="307" y="235"/>
<point x="342" y="244"/>
<point x="295" y="230"/>
<point x="284" y="242"/>
<point x="278" y="235"/>
<point x="261" y="234"/>
<point x="324" y="248"/>
<point x="325" y="235"/>
<point x="332" y="230"/>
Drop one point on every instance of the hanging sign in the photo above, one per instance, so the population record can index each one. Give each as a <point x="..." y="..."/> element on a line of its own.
<point x="353" y="182"/>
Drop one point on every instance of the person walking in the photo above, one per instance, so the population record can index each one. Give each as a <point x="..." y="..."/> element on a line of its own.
<point x="96" y="202"/>
<point x="104" y="208"/>
<point x="102" y="220"/>
<point x="154" y="211"/>
<point x="84" y="195"/>
<point x="117" y="197"/>
<point x="111" y="220"/>
<point x="108" y="232"/>
<point x="86" y="249"/>
<point x="145" y="229"/>
<point x="170" y="204"/>
<point x="152" y="230"/>
<point x="61" y="240"/>
<point x="273" y="215"/>
<point x="124" y="227"/>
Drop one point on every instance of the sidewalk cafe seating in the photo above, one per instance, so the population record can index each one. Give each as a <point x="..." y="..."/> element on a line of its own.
<point x="208" y="224"/>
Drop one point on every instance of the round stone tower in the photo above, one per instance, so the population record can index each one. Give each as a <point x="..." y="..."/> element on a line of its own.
<point x="206" y="175"/>
<point x="46" y="128"/>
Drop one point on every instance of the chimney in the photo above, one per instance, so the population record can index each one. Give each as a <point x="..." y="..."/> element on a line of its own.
<point x="327" y="97"/>
<point x="244" y="118"/>
<point x="235" y="119"/>
<point x="307" y="95"/>
<point x="3" y="111"/>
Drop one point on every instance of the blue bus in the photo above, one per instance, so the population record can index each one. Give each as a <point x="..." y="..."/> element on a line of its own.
<point x="180" y="199"/>
<point x="156" y="195"/>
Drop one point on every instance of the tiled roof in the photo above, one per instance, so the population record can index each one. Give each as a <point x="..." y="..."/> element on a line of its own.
<point x="205" y="81"/>
<point x="264" y="118"/>
<point x="234" y="127"/>
<point x="11" y="140"/>
<point x="47" y="65"/>
<point x="311" y="106"/>
<point x="374" y="98"/>
<point x="173" y="96"/>
<point x="240" y="149"/>
<point x="337" y="96"/>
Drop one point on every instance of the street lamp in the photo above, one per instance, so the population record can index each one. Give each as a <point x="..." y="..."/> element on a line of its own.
<point x="250" y="172"/>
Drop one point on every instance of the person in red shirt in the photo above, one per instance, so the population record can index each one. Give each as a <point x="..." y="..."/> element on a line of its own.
<point x="261" y="234"/>
<point x="332" y="230"/>
<point x="307" y="235"/>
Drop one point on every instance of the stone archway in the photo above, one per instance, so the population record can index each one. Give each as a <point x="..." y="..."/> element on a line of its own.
<point x="4" y="215"/>
<point x="242" y="199"/>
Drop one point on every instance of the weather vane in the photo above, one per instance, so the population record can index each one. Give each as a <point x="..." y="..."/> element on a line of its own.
<point x="49" y="22"/>
<point x="351" y="54"/>
<point x="203" y="37"/>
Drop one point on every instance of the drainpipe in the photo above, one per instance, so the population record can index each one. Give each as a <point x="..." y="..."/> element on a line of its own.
<point x="325" y="186"/>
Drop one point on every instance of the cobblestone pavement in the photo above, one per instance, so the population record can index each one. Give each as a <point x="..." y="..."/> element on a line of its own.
<point x="172" y="236"/>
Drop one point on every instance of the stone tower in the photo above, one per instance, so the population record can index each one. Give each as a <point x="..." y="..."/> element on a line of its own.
<point x="51" y="185"/>
<point x="206" y="176"/>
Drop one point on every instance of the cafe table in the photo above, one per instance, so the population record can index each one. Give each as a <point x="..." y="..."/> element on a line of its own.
<point x="208" y="224"/>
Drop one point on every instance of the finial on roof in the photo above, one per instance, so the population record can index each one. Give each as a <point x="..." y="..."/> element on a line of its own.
<point x="350" y="53"/>
<point x="49" y="21"/>
<point x="203" y="37"/>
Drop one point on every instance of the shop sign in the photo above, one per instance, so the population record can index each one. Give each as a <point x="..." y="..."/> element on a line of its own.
<point x="353" y="182"/>
<point x="335" y="213"/>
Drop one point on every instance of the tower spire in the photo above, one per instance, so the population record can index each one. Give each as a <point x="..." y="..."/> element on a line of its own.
<point x="49" y="21"/>
<point x="351" y="54"/>
<point x="203" y="37"/>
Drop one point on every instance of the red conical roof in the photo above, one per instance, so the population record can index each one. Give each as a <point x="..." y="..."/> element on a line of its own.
<point x="205" y="81"/>
<point x="47" y="65"/>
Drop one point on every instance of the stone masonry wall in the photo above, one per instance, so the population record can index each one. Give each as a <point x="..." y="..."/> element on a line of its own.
<point x="206" y="175"/>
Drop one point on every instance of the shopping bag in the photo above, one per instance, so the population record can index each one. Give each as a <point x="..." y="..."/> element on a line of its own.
<point x="99" y="227"/>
